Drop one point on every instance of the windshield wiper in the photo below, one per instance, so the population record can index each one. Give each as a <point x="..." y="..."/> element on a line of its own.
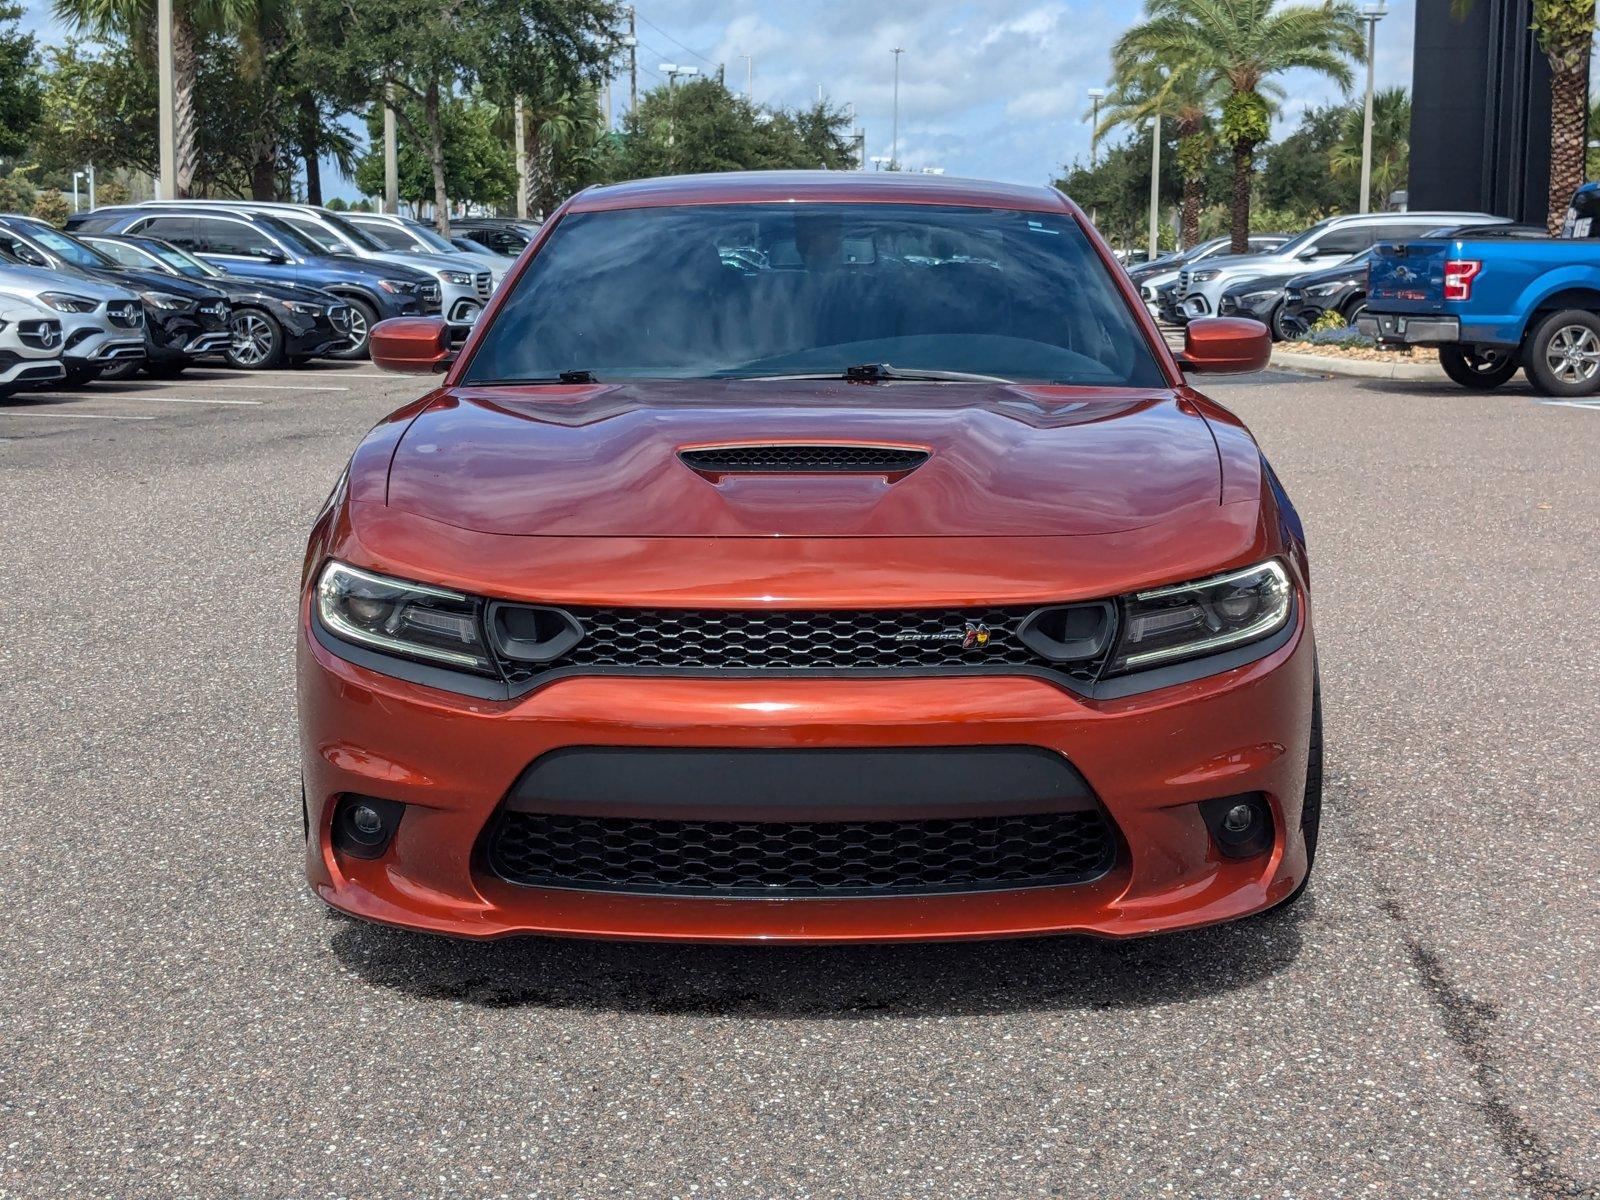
<point x="887" y="373"/>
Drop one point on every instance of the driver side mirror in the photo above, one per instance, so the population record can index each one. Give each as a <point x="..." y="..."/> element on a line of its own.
<point x="272" y="254"/>
<point x="1224" y="346"/>
<point x="412" y="345"/>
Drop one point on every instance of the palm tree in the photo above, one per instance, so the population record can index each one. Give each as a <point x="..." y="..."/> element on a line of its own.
<point x="1183" y="97"/>
<point x="1391" y="144"/>
<point x="1242" y="44"/>
<point x="1565" y="29"/>
<point x="135" y="20"/>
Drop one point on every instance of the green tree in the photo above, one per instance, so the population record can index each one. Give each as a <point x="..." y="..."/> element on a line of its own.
<point x="1243" y="44"/>
<point x="1182" y="97"/>
<point x="478" y="165"/>
<point x="133" y="22"/>
<point x="50" y="205"/>
<point x="1116" y="190"/>
<point x="98" y="107"/>
<point x="19" y="82"/>
<point x="427" y="53"/>
<point x="1391" y="145"/>
<point x="1295" y="176"/>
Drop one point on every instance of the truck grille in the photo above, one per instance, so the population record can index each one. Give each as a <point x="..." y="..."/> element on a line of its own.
<point x="801" y="859"/>
<point x="787" y="641"/>
<point x="481" y="283"/>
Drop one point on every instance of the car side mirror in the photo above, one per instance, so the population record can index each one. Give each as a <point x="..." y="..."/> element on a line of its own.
<point x="1224" y="346"/>
<point x="1313" y="252"/>
<point x="412" y="345"/>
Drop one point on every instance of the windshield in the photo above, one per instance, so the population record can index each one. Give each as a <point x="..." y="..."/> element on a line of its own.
<point x="125" y="253"/>
<point x="351" y="232"/>
<point x="752" y="290"/>
<point x="69" y="248"/>
<point x="429" y="238"/>
<point x="182" y="261"/>
<point x="292" y="238"/>
<point x="389" y="237"/>
<point x="1300" y="241"/>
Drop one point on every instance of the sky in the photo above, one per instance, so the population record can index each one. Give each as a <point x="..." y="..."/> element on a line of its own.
<point x="995" y="90"/>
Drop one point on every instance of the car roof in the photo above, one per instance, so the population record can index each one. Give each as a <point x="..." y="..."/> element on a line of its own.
<point x="776" y="187"/>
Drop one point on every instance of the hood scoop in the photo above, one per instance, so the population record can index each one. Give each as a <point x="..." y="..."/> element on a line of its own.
<point x="802" y="458"/>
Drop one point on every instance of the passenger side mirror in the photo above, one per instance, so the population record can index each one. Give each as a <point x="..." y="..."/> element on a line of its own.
<point x="1224" y="346"/>
<point x="413" y="345"/>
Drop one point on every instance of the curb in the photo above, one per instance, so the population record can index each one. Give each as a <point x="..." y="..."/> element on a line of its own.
<point x="1357" y="367"/>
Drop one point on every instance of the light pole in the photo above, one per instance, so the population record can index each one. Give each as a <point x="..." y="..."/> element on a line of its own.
<point x="894" y="139"/>
<point x="1096" y="95"/>
<point x="672" y="71"/>
<point x="91" y="187"/>
<point x="1155" y="185"/>
<point x="1371" y="14"/>
<point x="76" y="175"/>
<point x="749" y="78"/>
<point x="167" y="119"/>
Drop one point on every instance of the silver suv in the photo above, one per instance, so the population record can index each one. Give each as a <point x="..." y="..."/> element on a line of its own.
<point x="1326" y="244"/>
<point x="100" y="324"/>
<point x="30" y="345"/>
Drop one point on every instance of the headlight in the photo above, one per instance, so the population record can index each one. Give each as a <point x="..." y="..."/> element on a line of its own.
<point x="64" y="302"/>
<point x="1253" y="298"/>
<point x="1194" y="619"/>
<point x="397" y="287"/>
<point x="301" y="307"/>
<point x="1324" y="289"/>
<point x="165" y="301"/>
<point x="459" y="278"/>
<point x="1202" y="276"/>
<point x="396" y="617"/>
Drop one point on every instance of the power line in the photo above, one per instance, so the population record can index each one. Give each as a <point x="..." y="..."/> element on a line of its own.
<point x="708" y="61"/>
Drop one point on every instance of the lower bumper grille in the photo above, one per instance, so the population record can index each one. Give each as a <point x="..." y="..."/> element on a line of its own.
<point x="801" y="859"/>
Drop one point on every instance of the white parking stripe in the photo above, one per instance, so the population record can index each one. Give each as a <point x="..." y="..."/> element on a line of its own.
<point x="66" y="416"/>
<point x="1591" y="405"/>
<point x="173" y="400"/>
<point x="271" y="387"/>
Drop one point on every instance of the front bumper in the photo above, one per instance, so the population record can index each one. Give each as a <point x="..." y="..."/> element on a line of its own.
<point x="1150" y="759"/>
<point x="15" y="370"/>
<point x="1406" y="330"/>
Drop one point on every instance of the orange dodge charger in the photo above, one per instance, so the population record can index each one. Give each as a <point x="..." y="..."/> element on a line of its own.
<point x="810" y="557"/>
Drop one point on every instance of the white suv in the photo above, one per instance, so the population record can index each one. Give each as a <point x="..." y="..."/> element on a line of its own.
<point x="30" y="345"/>
<point x="1326" y="244"/>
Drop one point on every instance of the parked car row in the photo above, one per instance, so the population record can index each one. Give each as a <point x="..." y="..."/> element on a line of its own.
<point x="159" y="285"/>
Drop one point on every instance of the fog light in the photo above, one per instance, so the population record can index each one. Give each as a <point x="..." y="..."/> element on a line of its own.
<point x="363" y="826"/>
<point x="1241" y="826"/>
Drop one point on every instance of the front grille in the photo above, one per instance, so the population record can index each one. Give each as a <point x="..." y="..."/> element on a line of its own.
<point x="481" y="283"/>
<point x="127" y="314"/>
<point x="865" y="460"/>
<point x="39" y="335"/>
<point x="778" y="641"/>
<point x="429" y="293"/>
<point x="815" y="859"/>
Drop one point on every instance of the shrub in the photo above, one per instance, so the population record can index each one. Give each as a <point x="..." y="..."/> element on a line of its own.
<point x="50" y="205"/>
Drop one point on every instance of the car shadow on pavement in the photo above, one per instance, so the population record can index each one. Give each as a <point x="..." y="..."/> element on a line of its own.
<point x="919" y="980"/>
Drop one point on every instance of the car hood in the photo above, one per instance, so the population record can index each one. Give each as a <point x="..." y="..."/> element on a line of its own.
<point x="240" y="287"/>
<point x="603" y="461"/>
<point x="32" y="281"/>
<point x="1329" y="275"/>
<point x="159" y="281"/>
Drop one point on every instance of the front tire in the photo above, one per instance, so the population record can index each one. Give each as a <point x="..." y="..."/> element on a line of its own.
<point x="1480" y="370"/>
<point x="1283" y="329"/>
<point x="257" y="343"/>
<point x="1562" y="355"/>
<point x="362" y="318"/>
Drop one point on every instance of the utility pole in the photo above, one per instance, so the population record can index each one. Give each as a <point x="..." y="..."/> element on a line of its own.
<point x="1155" y="185"/>
<point x="672" y="71"/>
<point x="1372" y="14"/>
<point x="91" y="187"/>
<point x="522" y="159"/>
<point x="749" y="78"/>
<point x="633" y="63"/>
<point x="1096" y="95"/>
<point x="391" y="154"/>
<point x="168" y="114"/>
<point x="894" y="140"/>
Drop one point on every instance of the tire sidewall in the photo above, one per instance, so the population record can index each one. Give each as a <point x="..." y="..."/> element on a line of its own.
<point x="370" y="315"/>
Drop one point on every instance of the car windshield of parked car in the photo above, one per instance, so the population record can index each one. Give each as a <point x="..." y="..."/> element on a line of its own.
<point x="185" y="263"/>
<point x="125" y="253"/>
<point x="69" y="248"/>
<point x="1301" y="241"/>
<point x="429" y="238"/>
<point x="752" y="291"/>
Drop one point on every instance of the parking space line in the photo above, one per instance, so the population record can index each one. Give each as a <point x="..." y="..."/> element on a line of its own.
<point x="174" y="399"/>
<point x="1591" y="405"/>
<point x="66" y="416"/>
<point x="272" y="387"/>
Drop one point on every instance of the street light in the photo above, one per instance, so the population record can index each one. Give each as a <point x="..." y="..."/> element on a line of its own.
<point x="76" y="175"/>
<point x="1371" y="14"/>
<point x="1155" y="185"/>
<point x="894" y="142"/>
<point x="1096" y="95"/>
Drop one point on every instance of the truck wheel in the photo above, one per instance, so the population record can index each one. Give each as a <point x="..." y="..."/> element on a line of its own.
<point x="1562" y="357"/>
<point x="1480" y="370"/>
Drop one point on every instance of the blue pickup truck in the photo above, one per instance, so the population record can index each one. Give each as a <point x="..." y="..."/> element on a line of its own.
<point x="1491" y="305"/>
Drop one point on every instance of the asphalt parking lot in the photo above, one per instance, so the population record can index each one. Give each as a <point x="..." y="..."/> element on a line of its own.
<point x="180" y="1018"/>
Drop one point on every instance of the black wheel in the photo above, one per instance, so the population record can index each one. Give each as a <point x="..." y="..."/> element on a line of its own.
<point x="1284" y="327"/>
<point x="362" y="318"/>
<point x="1562" y="355"/>
<point x="257" y="340"/>
<point x="77" y="377"/>
<point x="165" y="370"/>
<point x="1354" y="308"/>
<point x="122" y="368"/>
<point x="1480" y="370"/>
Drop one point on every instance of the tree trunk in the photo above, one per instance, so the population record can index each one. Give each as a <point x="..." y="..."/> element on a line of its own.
<point x="1193" y="201"/>
<point x="185" y="68"/>
<point x="1568" y="122"/>
<point x="311" y="146"/>
<point x="267" y="51"/>
<point x="1243" y="169"/>
<point x="441" y="200"/>
<point x="264" y="170"/>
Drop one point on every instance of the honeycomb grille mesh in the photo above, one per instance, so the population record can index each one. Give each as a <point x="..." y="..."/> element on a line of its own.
<point x="831" y="641"/>
<point x="739" y="858"/>
<point x="804" y="459"/>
